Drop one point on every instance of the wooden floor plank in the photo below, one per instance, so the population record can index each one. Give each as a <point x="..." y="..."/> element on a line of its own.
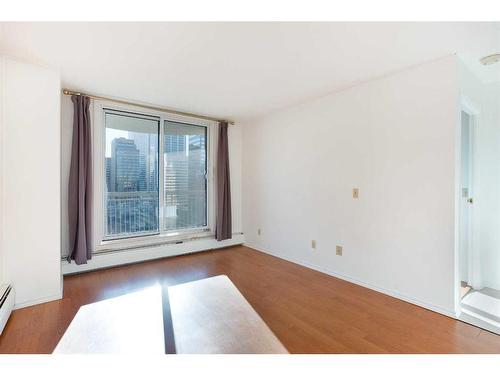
<point x="309" y="312"/>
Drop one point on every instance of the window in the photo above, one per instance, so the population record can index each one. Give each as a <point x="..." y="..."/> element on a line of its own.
<point x="153" y="176"/>
<point x="185" y="183"/>
<point x="131" y="169"/>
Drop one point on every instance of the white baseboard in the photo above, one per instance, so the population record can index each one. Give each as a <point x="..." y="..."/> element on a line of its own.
<point x="38" y="301"/>
<point x="388" y="292"/>
<point x="480" y="321"/>
<point x="117" y="258"/>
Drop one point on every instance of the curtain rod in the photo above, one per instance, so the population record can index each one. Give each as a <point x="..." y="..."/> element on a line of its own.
<point x="162" y="109"/>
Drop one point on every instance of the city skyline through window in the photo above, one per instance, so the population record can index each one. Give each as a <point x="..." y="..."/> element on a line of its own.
<point x="185" y="185"/>
<point x="132" y="167"/>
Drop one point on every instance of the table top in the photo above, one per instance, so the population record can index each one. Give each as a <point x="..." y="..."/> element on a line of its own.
<point x="132" y="323"/>
<point x="203" y="316"/>
<point x="212" y="316"/>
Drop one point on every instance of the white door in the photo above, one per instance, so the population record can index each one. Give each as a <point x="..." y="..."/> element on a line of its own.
<point x="466" y="200"/>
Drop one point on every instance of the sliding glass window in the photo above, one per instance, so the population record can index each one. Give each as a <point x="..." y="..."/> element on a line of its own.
<point x="185" y="176"/>
<point x="154" y="177"/>
<point x="131" y="175"/>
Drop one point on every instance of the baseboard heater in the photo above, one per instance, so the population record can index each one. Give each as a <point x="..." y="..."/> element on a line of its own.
<point x="6" y="304"/>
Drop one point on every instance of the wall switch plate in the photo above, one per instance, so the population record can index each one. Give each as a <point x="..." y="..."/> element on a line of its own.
<point x="258" y="231"/>
<point x="338" y="250"/>
<point x="313" y="244"/>
<point x="355" y="193"/>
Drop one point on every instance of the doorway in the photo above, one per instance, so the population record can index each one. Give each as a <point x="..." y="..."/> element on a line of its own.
<point x="466" y="204"/>
<point x="479" y="303"/>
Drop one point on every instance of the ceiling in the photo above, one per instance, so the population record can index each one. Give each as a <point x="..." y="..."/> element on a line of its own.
<point x="240" y="70"/>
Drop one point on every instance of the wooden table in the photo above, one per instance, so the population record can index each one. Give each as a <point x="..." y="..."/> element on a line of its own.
<point x="204" y="316"/>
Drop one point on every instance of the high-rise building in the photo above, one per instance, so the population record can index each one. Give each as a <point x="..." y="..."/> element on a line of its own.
<point x="142" y="183"/>
<point x="125" y="165"/>
<point x="132" y="204"/>
<point x="108" y="174"/>
<point x="147" y="144"/>
<point x="175" y="143"/>
<point x="152" y="173"/>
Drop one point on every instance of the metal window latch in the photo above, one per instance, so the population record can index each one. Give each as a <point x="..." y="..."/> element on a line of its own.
<point x="470" y="200"/>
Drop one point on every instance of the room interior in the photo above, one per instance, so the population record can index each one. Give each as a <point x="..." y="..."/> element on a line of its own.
<point x="259" y="187"/>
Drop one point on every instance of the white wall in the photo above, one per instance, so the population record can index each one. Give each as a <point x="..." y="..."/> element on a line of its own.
<point x="30" y="203"/>
<point x="485" y="100"/>
<point x="66" y="137"/>
<point x="235" y="155"/>
<point x="490" y="224"/>
<point x="2" y="75"/>
<point x="235" y="144"/>
<point x="394" y="139"/>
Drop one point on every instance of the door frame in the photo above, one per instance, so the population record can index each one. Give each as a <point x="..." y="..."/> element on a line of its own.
<point x="470" y="193"/>
<point x="467" y="106"/>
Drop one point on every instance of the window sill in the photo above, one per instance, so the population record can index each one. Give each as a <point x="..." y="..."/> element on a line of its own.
<point x="106" y="259"/>
<point x="151" y="240"/>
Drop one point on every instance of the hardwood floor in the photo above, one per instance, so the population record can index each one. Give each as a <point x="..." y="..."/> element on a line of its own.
<point x="308" y="311"/>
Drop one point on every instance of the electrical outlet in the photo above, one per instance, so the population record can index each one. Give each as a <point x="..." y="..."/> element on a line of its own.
<point x="355" y="193"/>
<point x="258" y="231"/>
<point x="313" y="244"/>
<point x="338" y="250"/>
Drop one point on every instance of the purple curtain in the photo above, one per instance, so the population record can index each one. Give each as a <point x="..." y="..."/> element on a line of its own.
<point x="80" y="183"/>
<point x="223" y="230"/>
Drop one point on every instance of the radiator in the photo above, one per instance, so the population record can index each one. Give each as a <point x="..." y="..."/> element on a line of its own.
<point x="7" y="295"/>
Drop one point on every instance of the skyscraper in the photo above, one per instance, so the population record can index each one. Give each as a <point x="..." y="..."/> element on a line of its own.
<point x="132" y="200"/>
<point x="108" y="174"/>
<point x="125" y="165"/>
<point x="147" y="144"/>
<point x="143" y="182"/>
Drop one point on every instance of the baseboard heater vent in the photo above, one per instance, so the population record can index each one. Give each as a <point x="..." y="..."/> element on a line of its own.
<point x="6" y="304"/>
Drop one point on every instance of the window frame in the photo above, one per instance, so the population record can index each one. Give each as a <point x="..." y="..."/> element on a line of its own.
<point x="100" y="243"/>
